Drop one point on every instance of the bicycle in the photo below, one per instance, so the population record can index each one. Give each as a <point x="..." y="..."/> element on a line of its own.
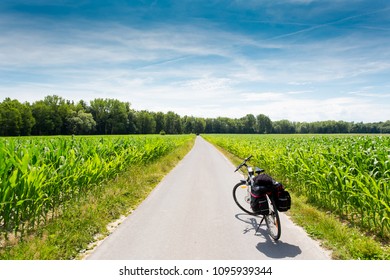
<point x="242" y="194"/>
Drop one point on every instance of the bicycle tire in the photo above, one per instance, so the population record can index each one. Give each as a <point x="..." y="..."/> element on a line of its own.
<point x="273" y="221"/>
<point x="241" y="196"/>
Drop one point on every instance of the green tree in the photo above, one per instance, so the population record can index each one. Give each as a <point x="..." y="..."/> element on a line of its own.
<point x="10" y="118"/>
<point x="42" y="114"/>
<point x="385" y="127"/>
<point x="15" y="118"/>
<point x="160" y="122"/>
<point x="51" y="115"/>
<point x="264" y="124"/>
<point x="283" y="126"/>
<point x="188" y="124"/>
<point x="82" y="105"/>
<point x="117" y="122"/>
<point x="249" y="123"/>
<point x="173" y="123"/>
<point x="199" y="125"/>
<point x="100" y="112"/>
<point x="146" y="124"/>
<point x="302" y="127"/>
<point x="132" y="121"/>
<point x="218" y="125"/>
<point x="57" y="113"/>
<point x="111" y="116"/>
<point x="81" y="122"/>
<point x="209" y="126"/>
<point x="28" y="120"/>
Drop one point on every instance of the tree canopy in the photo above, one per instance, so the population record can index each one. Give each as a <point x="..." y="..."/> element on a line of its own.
<point x="56" y="116"/>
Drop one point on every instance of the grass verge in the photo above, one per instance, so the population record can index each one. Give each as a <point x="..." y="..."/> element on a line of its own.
<point x="345" y="241"/>
<point x="85" y="221"/>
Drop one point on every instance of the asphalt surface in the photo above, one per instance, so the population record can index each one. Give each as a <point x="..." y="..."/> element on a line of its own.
<point x="191" y="215"/>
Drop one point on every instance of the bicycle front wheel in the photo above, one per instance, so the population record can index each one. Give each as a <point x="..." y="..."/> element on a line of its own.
<point x="272" y="220"/>
<point x="242" y="197"/>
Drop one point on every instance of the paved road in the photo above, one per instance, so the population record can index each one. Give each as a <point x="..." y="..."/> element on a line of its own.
<point x="191" y="215"/>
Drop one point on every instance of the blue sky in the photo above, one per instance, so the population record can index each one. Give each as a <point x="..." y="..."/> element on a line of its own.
<point x="302" y="60"/>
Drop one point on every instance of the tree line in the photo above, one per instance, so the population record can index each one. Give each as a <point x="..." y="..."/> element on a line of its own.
<point x="56" y="116"/>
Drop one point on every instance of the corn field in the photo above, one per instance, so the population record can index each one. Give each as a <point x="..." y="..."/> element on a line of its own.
<point x="38" y="175"/>
<point x="348" y="175"/>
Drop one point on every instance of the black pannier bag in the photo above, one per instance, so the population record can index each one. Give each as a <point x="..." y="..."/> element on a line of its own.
<point x="259" y="202"/>
<point x="262" y="184"/>
<point x="282" y="198"/>
<point x="265" y="183"/>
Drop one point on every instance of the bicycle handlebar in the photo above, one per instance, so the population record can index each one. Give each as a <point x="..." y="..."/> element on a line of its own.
<point x="243" y="163"/>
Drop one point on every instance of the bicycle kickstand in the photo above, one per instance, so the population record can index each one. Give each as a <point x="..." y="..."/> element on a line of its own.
<point x="259" y="225"/>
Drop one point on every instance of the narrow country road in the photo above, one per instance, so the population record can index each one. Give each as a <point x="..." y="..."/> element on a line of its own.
<point x="191" y="215"/>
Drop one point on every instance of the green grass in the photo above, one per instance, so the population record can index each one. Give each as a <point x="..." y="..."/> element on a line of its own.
<point x="345" y="241"/>
<point x="86" y="219"/>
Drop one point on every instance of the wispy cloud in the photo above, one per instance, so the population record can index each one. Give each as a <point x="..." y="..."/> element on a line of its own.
<point x="206" y="67"/>
<point x="327" y="24"/>
<point x="315" y="109"/>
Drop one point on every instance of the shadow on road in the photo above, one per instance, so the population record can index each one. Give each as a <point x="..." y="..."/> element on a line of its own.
<point x="271" y="248"/>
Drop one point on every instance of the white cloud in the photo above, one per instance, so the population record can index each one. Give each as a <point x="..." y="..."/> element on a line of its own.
<point x="196" y="70"/>
<point x="375" y="95"/>
<point x="287" y="106"/>
<point x="207" y="84"/>
<point x="265" y="97"/>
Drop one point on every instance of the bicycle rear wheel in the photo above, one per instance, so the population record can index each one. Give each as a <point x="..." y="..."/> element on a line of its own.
<point x="272" y="220"/>
<point x="242" y="197"/>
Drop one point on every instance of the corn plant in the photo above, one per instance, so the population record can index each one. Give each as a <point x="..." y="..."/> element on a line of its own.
<point x="38" y="175"/>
